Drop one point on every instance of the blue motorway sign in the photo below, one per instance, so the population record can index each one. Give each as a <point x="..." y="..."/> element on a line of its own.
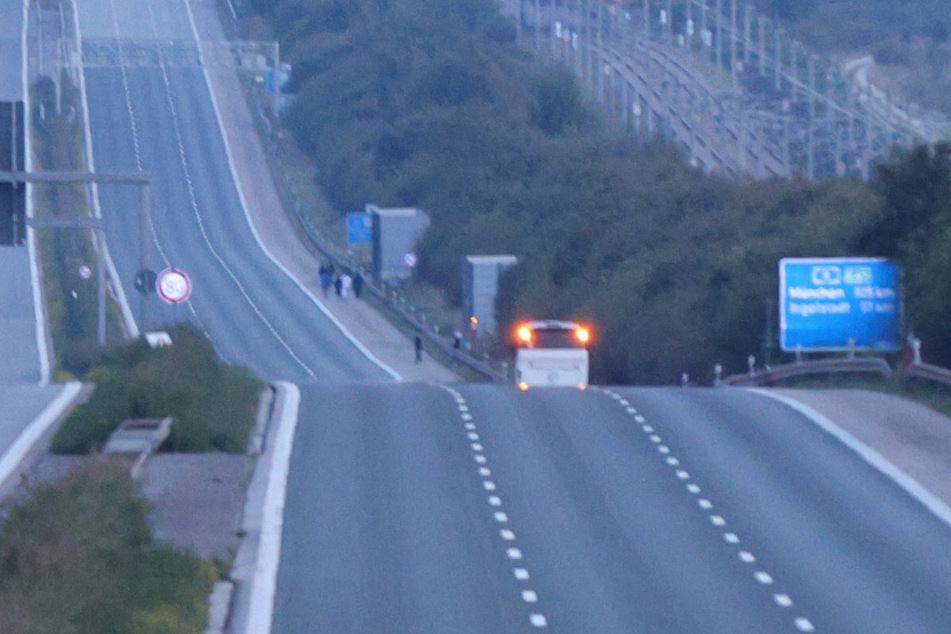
<point x="359" y="228"/>
<point x="830" y="304"/>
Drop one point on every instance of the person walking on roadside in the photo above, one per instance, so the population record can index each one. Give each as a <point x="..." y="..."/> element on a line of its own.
<point x="346" y="282"/>
<point x="358" y="285"/>
<point x="418" y="344"/>
<point x="326" y="280"/>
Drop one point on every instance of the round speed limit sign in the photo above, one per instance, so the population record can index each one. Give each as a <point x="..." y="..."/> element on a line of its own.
<point x="173" y="285"/>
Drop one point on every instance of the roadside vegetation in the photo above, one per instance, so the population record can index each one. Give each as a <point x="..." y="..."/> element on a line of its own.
<point x="213" y="405"/>
<point x="79" y="557"/>
<point x="432" y="103"/>
<point x="71" y="300"/>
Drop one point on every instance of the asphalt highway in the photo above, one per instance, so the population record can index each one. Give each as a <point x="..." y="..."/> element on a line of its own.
<point x="441" y="507"/>
<point x="158" y="117"/>
<point x="484" y="509"/>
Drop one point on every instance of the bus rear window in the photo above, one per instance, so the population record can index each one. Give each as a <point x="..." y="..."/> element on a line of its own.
<point x="555" y="339"/>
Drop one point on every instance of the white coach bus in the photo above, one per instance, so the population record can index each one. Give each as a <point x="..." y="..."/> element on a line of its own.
<point x="551" y="353"/>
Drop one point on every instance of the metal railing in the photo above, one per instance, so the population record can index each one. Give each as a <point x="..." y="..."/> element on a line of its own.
<point x="771" y="376"/>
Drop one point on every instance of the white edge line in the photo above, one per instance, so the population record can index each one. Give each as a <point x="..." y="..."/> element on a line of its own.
<point x="244" y="206"/>
<point x="264" y="583"/>
<point x="39" y="319"/>
<point x="941" y="510"/>
<point x="12" y="458"/>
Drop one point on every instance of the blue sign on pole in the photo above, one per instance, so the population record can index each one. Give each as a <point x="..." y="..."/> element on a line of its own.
<point x="359" y="228"/>
<point x="829" y="304"/>
<point x="285" y="79"/>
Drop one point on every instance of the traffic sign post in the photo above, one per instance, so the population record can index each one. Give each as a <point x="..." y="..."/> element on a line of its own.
<point x="173" y="286"/>
<point x="839" y="304"/>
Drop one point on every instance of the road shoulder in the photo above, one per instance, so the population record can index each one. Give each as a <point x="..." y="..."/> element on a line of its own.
<point x="911" y="437"/>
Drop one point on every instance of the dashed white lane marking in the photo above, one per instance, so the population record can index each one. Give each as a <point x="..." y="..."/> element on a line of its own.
<point x="762" y="577"/>
<point x="537" y="619"/>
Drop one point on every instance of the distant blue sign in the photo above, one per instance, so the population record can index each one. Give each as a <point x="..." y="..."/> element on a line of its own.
<point x="828" y="304"/>
<point x="359" y="228"/>
<point x="285" y="78"/>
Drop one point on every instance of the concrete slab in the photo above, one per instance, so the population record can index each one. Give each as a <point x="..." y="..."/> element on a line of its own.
<point x="11" y="50"/>
<point x="197" y="500"/>
<point x="18" y="342"/>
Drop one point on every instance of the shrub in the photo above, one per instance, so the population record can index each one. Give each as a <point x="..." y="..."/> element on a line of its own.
<point x="79" y="557"/>
<point x="213" y="404"/>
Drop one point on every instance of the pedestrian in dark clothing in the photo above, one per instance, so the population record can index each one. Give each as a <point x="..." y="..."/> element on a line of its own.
<point x="357" y="284"/>
<point x="326" y="281"/>
<point x="338" y="286"/>
<point x="418" y="343"/>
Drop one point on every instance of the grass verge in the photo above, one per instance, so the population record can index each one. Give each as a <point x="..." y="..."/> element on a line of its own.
<point x="213" y="405"/>
<point x="927" y="393"/>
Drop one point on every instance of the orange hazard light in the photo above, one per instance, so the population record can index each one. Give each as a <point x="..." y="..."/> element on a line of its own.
<point x="524" y="334"/>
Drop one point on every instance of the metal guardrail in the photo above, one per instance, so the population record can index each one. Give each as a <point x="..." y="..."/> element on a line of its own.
<point x="771" y="376"/>
<point x="930" y="372"/>
<point x="456" y="355"/>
